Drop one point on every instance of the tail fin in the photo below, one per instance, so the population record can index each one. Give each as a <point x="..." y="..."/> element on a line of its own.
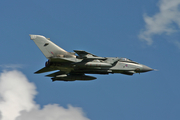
<point x="48" y="48"/>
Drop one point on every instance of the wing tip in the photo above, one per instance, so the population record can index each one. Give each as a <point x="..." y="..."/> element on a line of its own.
<point x="33" y="37"/>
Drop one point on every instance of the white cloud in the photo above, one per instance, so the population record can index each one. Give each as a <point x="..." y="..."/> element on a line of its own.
<point x="166" y="21"/>
<point x="16" y="94"/>
<point x="53" y="112"/>
<point x="16" y="101"/>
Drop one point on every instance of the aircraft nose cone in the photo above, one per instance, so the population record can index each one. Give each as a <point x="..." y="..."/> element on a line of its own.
<point x="146" y="69"/>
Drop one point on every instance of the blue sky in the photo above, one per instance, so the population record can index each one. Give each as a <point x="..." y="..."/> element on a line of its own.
<point x="144" y="31"/>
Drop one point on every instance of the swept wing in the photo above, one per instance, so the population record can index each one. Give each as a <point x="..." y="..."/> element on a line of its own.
<point x="86" y="55"/>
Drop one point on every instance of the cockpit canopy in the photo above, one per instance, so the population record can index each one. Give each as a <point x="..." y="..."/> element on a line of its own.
<point x="126" y="60"/>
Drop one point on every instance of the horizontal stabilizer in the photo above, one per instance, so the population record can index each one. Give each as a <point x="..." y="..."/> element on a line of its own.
<point x="46" y="69"/>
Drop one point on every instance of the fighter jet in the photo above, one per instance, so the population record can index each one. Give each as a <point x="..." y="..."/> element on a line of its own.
<point x="73" y="66"/>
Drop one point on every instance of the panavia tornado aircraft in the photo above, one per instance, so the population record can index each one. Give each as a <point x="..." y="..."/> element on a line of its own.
<point x="74" y="67"/>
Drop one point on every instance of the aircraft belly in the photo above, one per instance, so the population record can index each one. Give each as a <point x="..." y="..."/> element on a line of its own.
<point x="66" y="77"/>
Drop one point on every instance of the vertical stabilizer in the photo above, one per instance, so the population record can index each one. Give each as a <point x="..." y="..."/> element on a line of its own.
<point x="48" y="48"/>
